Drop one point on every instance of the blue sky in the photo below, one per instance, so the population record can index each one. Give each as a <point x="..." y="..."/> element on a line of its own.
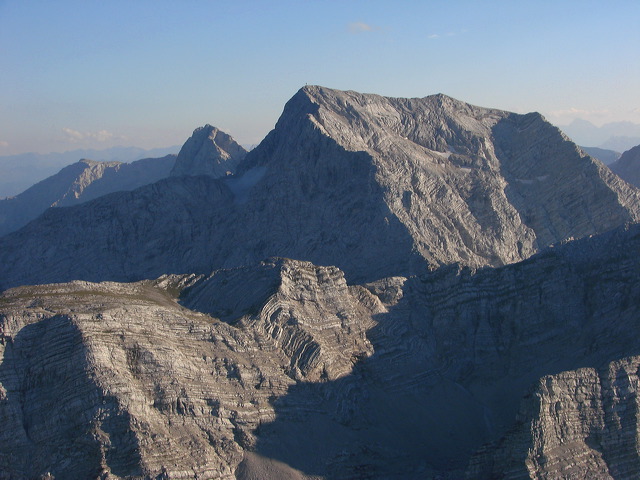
<point x="79" y="74"/>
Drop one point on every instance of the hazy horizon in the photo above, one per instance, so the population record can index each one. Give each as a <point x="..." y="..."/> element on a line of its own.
<point x="85" y="75"/>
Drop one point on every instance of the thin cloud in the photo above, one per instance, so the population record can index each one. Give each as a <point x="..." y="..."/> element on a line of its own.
<point x="3" y="143"/>
<point x="578" y="111"/>
<point x="361" y="27"/>
<point x="433" y="36"/>
<point x="76" y="136"/>
<point x="73" y="135"/>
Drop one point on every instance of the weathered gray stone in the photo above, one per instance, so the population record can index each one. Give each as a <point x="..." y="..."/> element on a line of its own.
<point x="284" y="368"/>
<point x="627" y="166"/>
<point x="208" y="151"/>
<point x="376" y="186"/>
<point x="78" y="183"/>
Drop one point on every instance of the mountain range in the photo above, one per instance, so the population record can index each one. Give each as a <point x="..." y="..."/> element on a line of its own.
<point x="21" y="171"/>
<point x="383" y="288"/>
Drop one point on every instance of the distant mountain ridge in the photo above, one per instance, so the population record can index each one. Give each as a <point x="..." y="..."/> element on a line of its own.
<point x="88" y="179"/>
<point x="78" y="183"/>
<point x="19" y="172"/>
<point x="605" y="156"/>
<point x="377" y="186"/>
<point x="617" y="136"/>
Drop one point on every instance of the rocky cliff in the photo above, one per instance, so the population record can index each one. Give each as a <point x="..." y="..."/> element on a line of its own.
<point x="282" y="370"/>
<point x="376" y="186"/>
<point x="78" y="183"/>
<point x="627" y="166"/>
<point x="119" y="381"/>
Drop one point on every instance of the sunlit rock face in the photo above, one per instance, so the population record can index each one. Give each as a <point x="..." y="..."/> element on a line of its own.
<point x="120" y="380"/>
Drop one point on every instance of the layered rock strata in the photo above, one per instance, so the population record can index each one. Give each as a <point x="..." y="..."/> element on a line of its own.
<point x="119" y="381"/>
<point x="284" y="368"/>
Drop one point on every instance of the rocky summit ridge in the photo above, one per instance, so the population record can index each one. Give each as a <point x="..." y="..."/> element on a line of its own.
<point x="384" y="288"/>
<point x="374" y="185"/>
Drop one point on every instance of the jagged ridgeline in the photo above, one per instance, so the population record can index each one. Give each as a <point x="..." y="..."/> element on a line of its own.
<point x="421" y="325"/>
<point x="376" y="186"/>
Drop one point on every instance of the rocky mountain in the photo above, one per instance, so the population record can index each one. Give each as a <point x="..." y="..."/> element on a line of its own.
<point x="376" y="186"/>
<point x="209" y="151"/>
<point x="283" y="370"/>
<point x="87" y="179"/>
<point x="627" y="166"/>
<point x="384" y="288"/>
<point x="605" y="156"/>
<point x="19" y="172"/>
<point x="78" y="183"/>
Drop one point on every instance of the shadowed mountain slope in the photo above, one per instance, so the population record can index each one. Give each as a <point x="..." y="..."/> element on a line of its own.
<point x="282" y="370"/>
<point x="627" y="166"/>
<point x="78" y="183"/>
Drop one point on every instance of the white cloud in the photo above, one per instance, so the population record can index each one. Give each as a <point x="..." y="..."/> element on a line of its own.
<point x="434" y="35"/>
<point x="361" y="27"/>
<point x="76" y="136"/>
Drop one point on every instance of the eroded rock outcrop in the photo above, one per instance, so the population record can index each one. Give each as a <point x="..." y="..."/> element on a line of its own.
<point x="119" y="381"/>
<point x="576" y="424"/>
<point x="282" y="367"/>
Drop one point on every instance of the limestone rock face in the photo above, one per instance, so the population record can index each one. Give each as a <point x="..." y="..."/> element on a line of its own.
<point x="119" y="381"/>
<point x="627" y="166"/>
<point x="78" y="183"/>
<point x="282" y="370"/>
<point x="208" y="151"/>
<point x="576" y="424"/>
<point x="377" y="186"/>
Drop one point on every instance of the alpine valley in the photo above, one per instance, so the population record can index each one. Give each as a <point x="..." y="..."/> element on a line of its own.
<point x="384" y="288"/>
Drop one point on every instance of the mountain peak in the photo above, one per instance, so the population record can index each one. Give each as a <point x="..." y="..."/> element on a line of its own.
<point x="209" y="151"/>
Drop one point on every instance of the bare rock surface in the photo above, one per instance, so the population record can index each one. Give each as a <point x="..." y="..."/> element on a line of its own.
<point x="376" y="186"/>
<point x="282" y="370"/>
<point x="119" y="381"/>
<point x="78" y="183"/>
<point x="576" y="424"/>
<point x="627" y="166"/>
<point x="209" y="151"/>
